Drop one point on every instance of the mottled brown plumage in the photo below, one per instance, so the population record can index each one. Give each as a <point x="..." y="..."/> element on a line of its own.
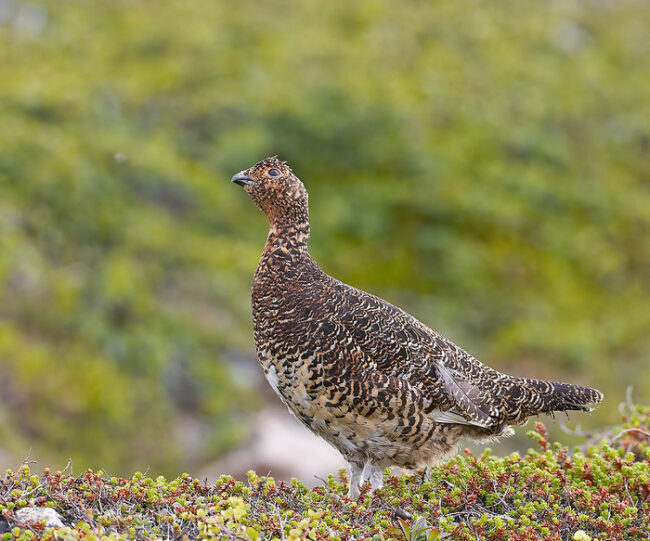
<point x="373" y="381"/>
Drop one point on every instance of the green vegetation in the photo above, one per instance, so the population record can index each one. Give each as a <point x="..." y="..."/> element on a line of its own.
<point x="601" y="492"/>
<point x="482" y="164"/>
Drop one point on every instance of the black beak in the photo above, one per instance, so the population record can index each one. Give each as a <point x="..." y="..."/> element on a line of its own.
<point x="242" y="179"/>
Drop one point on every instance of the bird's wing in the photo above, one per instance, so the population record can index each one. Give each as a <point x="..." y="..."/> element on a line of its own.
<point x="397" y="344"/>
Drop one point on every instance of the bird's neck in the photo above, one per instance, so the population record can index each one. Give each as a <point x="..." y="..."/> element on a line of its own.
<point x="287" y="237"/>
<point x="285" y="251"/>
<point x="288" y="222"/>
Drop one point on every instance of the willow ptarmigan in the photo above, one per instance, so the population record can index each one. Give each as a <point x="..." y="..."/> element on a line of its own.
<point x="373" y="381"/>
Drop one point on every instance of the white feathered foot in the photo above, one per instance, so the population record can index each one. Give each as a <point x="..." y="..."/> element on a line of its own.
<point x="360" y="475"/>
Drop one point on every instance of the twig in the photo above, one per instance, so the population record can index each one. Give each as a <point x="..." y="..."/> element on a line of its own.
<point x="646" y="434"/>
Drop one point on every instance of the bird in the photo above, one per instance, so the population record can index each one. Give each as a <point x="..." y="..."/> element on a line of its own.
<point x="372" y="380"/>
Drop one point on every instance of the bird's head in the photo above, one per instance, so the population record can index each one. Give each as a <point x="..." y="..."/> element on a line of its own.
<point x="275" y="190"/>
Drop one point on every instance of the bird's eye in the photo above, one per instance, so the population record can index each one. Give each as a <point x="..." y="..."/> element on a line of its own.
<point x="273" y="173"/>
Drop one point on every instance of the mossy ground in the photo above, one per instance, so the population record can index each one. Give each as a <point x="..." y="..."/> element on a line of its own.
<point x="602" y="491"/>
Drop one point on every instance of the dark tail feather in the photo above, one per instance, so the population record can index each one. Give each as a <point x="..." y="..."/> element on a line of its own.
<point x="548" y="396"/>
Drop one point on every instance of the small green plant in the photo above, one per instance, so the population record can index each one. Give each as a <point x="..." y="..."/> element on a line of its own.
<point x="599" y="492"/>
<point x="419" y="530"/>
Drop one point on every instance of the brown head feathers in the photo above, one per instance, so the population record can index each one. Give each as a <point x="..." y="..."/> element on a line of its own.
<point x="276" y="191"/>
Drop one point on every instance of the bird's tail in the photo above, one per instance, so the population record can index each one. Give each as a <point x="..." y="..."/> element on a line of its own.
<point x="548" y="396"/>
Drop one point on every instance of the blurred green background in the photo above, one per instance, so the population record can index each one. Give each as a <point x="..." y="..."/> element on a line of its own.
<point x="482" y="164"/>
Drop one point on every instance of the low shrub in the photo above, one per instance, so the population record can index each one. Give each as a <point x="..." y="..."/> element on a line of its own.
<point x="601" y="491"/>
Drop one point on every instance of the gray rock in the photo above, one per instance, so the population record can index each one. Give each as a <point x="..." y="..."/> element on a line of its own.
<point x="279" y="446"/>
<point x="37" y="514"/>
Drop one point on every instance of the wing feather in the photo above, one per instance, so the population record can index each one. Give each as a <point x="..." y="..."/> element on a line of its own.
<point x="464" y="396"/>
<point x="398" y="345"/>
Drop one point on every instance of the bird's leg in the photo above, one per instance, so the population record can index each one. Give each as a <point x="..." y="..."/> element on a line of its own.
<point x="355" y="473"/>
<point x="365" y="474"/>
<point x="373" y="474"/>
<point x="376" y="477"/>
